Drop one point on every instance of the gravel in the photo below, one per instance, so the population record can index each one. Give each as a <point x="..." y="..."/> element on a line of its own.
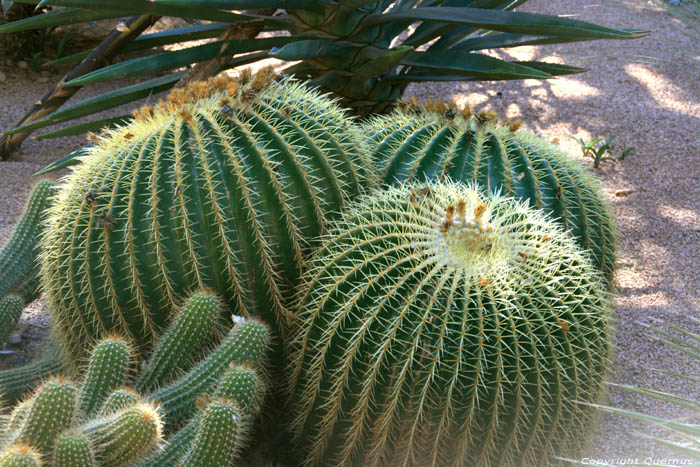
<point x="646" y="92"/>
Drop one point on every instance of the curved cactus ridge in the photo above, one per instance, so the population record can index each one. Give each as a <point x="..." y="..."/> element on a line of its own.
<point x="20" y="455"/>
<point x="182" y="342"/>
<point x="18" y="259"/>
<point x="219" y="432"/>
<point x="226" y="185"/>
<point x="107" y="371"/>
<point x="125" y="437"/>
<point x="11" y="307"/>
<point x="73" y="449"/>
<point x="437" y="327"/>
<point x="53" y="410"/>
<point x="441" y="142"/>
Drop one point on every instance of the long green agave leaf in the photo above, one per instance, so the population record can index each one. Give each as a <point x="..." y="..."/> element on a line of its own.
<point x="158" y="39"/>
<point x="476" y="65"/>
<point x="170" y="60"/>
<point x="81" y="128"/>
<point x="104" y="101"/>
<point x="60" y="17"/>
<point x="65" y="161"/>
<point x="682" y="428"/>
<point x="196" y="9"/>
<point x="312" y="48"/>
<point x="507" y="21"/>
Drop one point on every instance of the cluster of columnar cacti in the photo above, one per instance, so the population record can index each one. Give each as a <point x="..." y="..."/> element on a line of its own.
<point x="439" y="328"/>
<point x="225" y="185"/>
<point x="439" y="323"/>
<point x="429" y="143"/>
<point x="100" y="422"/>
<point x="62" y="424"/>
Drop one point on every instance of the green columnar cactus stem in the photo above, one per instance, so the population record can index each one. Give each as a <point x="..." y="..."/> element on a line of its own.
<point x="107" y="371"/>
<point x="500" y="158"/>
<point x="16" y="382"/>
<point x="53" y="410"/>
<point x="439" y="328"/>
<point x="19" y="415"/>
<point x="246" y="343"/>
<point x="73" y="449"/>
<point x="20" y="455"/>
<point x="182" y="342"/>
<point x="119" y="400"/>
<point x="11" y="307"/>
<point x="225" y="186"/>
<point x="243" y="385"/>
<point x="18" y="259"/>
<point x="178" y="445"/>
<point x="125" y="437"/>
<point x="220" y="431"/>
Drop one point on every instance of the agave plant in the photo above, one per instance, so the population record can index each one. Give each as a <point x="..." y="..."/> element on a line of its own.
<point x="364" y="52"/>
<point x="685" y="432"/>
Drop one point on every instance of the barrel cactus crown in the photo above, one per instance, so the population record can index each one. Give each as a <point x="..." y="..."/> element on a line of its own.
<point x="437" y="327"/>
<point x="225" y="185"/>
<point x="437" y="141"/>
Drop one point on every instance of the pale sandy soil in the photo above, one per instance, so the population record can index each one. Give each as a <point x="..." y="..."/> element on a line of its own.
<point x="647" y="92"/>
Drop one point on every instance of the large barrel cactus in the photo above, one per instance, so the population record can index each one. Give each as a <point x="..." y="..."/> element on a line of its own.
<point x="224" y="186"/>
<point x="437" y="141"/>
<point x="439" y="328"/>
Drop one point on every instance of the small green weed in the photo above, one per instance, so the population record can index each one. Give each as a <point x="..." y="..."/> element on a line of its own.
<point x="600" y="149"/>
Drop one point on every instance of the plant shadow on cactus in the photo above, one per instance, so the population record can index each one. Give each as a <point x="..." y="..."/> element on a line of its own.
<point x="440" y="328"/>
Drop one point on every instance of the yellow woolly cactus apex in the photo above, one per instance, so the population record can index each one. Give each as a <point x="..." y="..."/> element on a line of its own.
<point x="440" y="327"/>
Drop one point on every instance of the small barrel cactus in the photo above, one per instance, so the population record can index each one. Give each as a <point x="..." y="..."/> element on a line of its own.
<point x="437" y="327"/>
<point x="440" y="142"/>
<point x="74" y="449"/>
<point x="19" y="267"/>
<point x="226" y="185"/>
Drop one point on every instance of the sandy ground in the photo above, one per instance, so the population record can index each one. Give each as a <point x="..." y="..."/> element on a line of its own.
<point x="647" y="93"/>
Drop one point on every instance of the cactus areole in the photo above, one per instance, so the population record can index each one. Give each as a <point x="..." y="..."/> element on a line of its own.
<point x="225" y="185"/>
<point x="441" y="328"/>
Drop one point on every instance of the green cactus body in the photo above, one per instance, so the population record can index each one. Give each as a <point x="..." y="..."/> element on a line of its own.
<point x="225" y="186"/>
<point x="246" y="343"/>
<point x="16" y="382"/>
<point x="125" y="437"/>
<point x="182" y="342"/>
<point x="19" y="415"/>
<point x="119" y="400"/>
<point x="18" y="259"/>
<point x="11" y="307"/>
<point x="219" y="435"/>
<point x="73" y="449"/>
<point x="107" y="371"/>
<point x="439" y="328"/>
<point x="53" y="410"/>
<point x="20" y="455"/>
<point x="243" y="385"/>
<point x="177" y="447"/>
<point x="502" y="159"/>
